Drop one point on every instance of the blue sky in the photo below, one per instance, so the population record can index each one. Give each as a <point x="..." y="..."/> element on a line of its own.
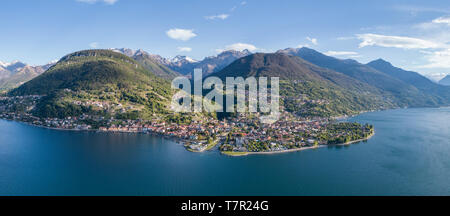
<point x="411" y="34"/>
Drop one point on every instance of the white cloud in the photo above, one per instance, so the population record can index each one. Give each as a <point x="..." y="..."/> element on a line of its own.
<point x="94" y="45"/>
<point x="110" y="2"/>
<point x="345" y="38"/>
<point x="225" y="16"/>
<point x="436" y="76"/>
<point x="438" y="25"/>
<point x="395" y="41"/>
<point x="418" y="9"/>
<point x="426" y="26"/>
<point x="184" y="49"/>
<point x="239" y="5"/>
<point x="438" y="59"/>
<point x="432" y="43"/>
<point x="239" y="47"/>
<point x="442" y="20"/>
<point x="312" y="40"/>
<point x="219" y="16"/>
<point x="181" y="34"/>
<point x="355" y="56"/>
<point x="341" y="53"/>
<point x="302" y="45"/>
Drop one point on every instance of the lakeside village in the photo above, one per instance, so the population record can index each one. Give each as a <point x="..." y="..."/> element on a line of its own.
<point x="239" y="135"/>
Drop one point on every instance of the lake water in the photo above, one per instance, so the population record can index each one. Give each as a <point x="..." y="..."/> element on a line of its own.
<point x="409" y="155"/>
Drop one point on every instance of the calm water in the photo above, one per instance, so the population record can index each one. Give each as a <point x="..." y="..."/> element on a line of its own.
<point x="409" y="155"/>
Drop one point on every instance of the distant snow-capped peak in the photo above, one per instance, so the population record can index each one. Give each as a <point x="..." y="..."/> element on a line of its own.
<point x="53" y="61"/>
<point x="3" y="64"/>
<point x="129" y="52"/>
<point x="7" y="64"/>
<point x="180" y="58"/>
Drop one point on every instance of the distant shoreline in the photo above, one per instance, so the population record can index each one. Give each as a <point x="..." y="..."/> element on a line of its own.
<point x="172" y="138"/>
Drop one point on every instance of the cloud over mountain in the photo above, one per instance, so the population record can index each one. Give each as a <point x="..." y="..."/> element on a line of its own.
<point x="394" y="41"/>
<point x="312" y="40"/>
<point x="181" y="34"/>
<point x="184" y="49"/>
<point x="239" y="47"/>
<point x="438" y="59"/>
<point x="341" y="53"/>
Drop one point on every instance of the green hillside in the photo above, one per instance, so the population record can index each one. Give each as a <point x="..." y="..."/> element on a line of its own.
<point x="440" y="95"/>
<point x="99" y="82"/>
<point x="158" y="69"/>
<point x="307" y="89"/>
<point x="397" y="91"/>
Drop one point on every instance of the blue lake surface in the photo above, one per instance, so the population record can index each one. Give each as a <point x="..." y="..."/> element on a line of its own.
<point x="409" y="155"/>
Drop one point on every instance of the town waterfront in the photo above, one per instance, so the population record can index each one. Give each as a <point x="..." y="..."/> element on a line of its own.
<point x="409" y="155"/>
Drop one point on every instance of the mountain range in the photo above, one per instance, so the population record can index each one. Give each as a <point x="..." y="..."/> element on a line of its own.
<point x="16" y="73"/>
<point x="100" y="82"/>
<point x="308" y="89"/>
<point x="135" y="84"/>
<point x="185" y="65"/>
<point x="403" y="88"/>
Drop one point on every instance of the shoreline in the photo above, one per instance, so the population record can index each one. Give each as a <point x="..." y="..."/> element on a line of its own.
<point x="238" y="154"/>
<point x="355" y="141"/>
<point x="207" y="148"/>
<point x="182" y="141"/>
<point x="175" y="139"/>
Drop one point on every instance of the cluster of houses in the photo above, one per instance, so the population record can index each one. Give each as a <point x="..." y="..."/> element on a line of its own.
<point x="69" y="123"/>
<point x="241" y="133"/>
<point x="6" y="103"/>
<point x="287" y="133"/>
<point x="103" y="105"/>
